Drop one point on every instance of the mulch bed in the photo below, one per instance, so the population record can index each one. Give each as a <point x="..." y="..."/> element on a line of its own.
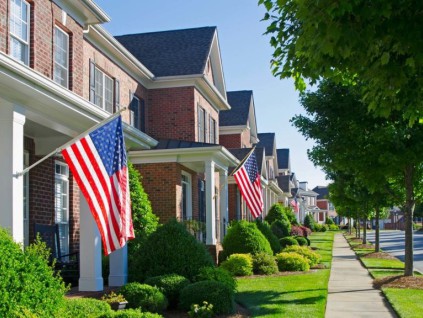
<point x="380" y="255"/>
<point x="412" y="282"/>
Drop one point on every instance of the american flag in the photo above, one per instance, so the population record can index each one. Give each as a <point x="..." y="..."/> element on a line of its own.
<point x="295" y="205"/>
<point x="99" y="164"/>
<point x="248" y="179"/>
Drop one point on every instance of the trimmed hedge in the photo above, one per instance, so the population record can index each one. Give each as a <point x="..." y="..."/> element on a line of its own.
<point x="264" y="264"/>
<point x="239" y="264"/>
<point x="213" y="292"/>
<point x="281" y="228"/>
<point x="302" y="241"/>
<point x="84" y="308"/>
<point x="309" y="222"/>
<point x="144" y="296"/>
<point x="170" y="285"/>
<point x="312" y="257"/>
<point x="276" y="212"/>
<point x="245" y="238"/>
<point x="171" y="250"/>
<point x="265" y="229"/>
<point x="290" y="261"/>
<point x="288" y="241"/>
<point x="217" y="274"/>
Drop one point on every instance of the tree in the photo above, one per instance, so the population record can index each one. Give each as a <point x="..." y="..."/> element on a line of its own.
<point x="377" y="42"/>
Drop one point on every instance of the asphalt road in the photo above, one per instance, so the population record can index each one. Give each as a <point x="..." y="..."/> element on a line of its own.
<point x="393" y="243"/>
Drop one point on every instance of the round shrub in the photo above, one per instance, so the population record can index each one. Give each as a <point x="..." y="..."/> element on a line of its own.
<point x="329" y="221"/>
<point x="239" y="264"/>
<point x="217" y="274"/>
<point x="244" y="237"/>
<point x="276" y="212"/>
<point x="144" y="296"/>
<point x="297" y="231"/>
<point x="171" y="250"/>
<point x="265" y="229"/>
<point x="317" y="227"/>
<point x="290" y="261"/>
<point x="27" y="280"/>
<point x="281" y="228"/>
<point x="302" y="241"/>
<point x="309" y="222"/>
<point x="333" y="227"/>
<point x="312" y="257"/>
<point x="264" y="264"/>
<point x="170" y="285"/>
<point x="288" y="241"/>
<point x="324" y="228"/>
<point x="84" y="307"/>
<point x="130" y="313"/>
<point x="215" y="293"/>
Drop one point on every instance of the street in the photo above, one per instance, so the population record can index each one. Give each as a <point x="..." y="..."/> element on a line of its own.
<point x="393" y="243"/>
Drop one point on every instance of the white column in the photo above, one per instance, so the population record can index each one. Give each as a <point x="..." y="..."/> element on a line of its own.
<point x="118" y="261"/>
<point x="12" y="123"/>
<point x="210" y="208"/>
<point x="90" y="276"/>
<point x="224" y="214"/>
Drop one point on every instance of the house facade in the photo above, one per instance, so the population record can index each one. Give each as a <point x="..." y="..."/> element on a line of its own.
<point x="324" y="204"/>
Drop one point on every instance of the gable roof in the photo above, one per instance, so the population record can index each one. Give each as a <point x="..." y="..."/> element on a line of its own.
<point x="240" y="108"/>
<point x="241" y="153"/>
<point x="323" y="192"/>
<point x="267" y="141"/>
<point x="283" y="183"/>
<point x="171" y="53"/>
<point x="283" y="158"/>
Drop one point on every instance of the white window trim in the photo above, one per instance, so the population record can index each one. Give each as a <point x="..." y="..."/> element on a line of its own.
<point x="26" y="43"/>
<point x="132" y="115"/>
<point x="56" y="64"/>
<point x="189" y="194"/>
<point x="201" y="134"/>
<point x="103" y="91"/>
<point x="60" y="177"/>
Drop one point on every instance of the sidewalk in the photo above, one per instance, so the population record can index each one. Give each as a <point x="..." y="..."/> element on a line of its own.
<point x="350" y="292"/>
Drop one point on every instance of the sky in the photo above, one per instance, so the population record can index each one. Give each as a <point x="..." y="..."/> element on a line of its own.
<point x="245" y="53"/>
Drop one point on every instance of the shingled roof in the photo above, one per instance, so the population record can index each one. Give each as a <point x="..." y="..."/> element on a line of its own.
<point x="171" y="53"/>
<point x="240" y="108"/>
<point x="323" y="192"/>
<point x="283" y="158"/>
<point x="241" y="153"/>
<point x="178" y="144"/>
<point x="267" y="141"/>
<point x="283" y="183"/>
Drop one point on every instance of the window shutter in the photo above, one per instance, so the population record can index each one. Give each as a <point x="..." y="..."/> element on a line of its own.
<point x="92" y="82"/>
<point x="117" y="95"/>
<point x="142" y="115"/>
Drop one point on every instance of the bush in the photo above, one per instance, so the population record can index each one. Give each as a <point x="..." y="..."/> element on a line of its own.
<point x="84" y="307"/>
<point x="281" y="228"/>
<point x="288" y="241"/>
<point x="244" y="237"/>
<point x="324" y="228"/>
<point x="130" y="313"/>
<point x="302" y="241"/>
<point x="217" y="274"/>
<point x="215" y="293"/>
<point x="305" y="251"/>
<point x="265" y="229"/>
<point x="318" y="227"/>
<point x="276" y="212"/>
<point x="290" y="215"/>
<point x="144" y="296"/>
<point x="171" y="250"/>
<point x="309" y="222"/>
<point x="264" y="264"/>
<point x="292" y="262"/>
<point x="203" y="311"/>
<point x="297" y="231"/>
<point x="333" y="227"/>
<point x="27" y="280"/>
<point x="329" y="221"/>
<point x="170" y="285"/>
<point x="239" y="264"/>
<point x="306" y="231"/>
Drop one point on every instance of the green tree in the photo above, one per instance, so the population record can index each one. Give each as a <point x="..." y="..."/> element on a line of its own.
<point x="377" y="42"/>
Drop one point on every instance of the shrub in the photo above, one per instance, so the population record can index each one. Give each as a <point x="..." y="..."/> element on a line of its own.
<point x="288" y="241"/>
<point x="27" y="280"/>
<point x="276" y="212"/>
<point x="333" y="227"/>
<point x="244" y="237"/>
<point x="281" y="228"/>
<point x="203" y="311"/>
<point x="144" y="296"/>
<point x="290" y="215"/>
<point x="306" y="231"/>
<point x="302" y="241"/>
<point x="265" y="229"/>
<point x="239" y="264"/>
<point x="215" y="293"/>
<point x="324" y="228"/>
<point x="217" y="274"/>
<point x="329" y="221"/>
<point x="318" y="227"/>
<point x="305" y="251"/>
<point x="170" y="285"/>
<point x="297" y="231"/>
<point x="309" y="222"/>
<point x="130" y="313"/>
<point x="264" y="264"/>
<point x="292" y="262"/>
<point x="171" y="250"/>
<point x="84" y="307"/>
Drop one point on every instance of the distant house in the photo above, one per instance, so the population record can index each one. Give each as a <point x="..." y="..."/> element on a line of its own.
<point x="284" y="177"/>
<point x="324" y="203"/>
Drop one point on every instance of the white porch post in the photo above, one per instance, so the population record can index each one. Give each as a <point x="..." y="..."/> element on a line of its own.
<point x="12" y="123"/>
<point x="224" y="214"/>
<point x="210" y="206"/>
<point x="90" y="278"/>
<point x="118" y="261"/>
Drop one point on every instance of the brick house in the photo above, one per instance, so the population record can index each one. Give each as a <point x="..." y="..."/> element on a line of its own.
<point x="285" y="175"/>
<point x="324" y="204"/>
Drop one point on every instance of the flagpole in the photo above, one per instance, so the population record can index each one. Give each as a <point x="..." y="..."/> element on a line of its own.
<point x="242" y="162"/>
<point x="57" y="150"/>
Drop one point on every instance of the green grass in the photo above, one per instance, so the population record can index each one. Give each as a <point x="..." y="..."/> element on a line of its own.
<point x="379" y="273"/>
<point x="294" y="295"/>
<point x="406" y="302"/>
<point x="363" y="251"/>
<point x="382" y="263"/>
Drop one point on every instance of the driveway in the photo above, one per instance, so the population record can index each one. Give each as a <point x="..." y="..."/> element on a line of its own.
<point x="393" y="243"/>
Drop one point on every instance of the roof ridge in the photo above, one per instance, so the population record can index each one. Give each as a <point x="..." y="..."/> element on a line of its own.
<point x="167" y="31"/>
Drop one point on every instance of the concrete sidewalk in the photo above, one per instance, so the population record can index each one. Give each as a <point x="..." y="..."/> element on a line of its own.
<point x="350" y="292"/>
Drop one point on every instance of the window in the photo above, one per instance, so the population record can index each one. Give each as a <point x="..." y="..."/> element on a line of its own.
<point x="61" y="57"/>
<point x="61" y="203"/>
<point x="212" y="131"/>
<point x="201" y="125"/>
<point x="19" y="30"/>
<point x="101" y="89"/>
<point x="186" y="202"/>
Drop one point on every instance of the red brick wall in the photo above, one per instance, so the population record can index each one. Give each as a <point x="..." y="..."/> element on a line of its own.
<point x="230" y="141"/>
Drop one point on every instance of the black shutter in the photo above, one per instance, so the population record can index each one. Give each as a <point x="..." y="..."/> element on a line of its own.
<point x="92" y="82"/>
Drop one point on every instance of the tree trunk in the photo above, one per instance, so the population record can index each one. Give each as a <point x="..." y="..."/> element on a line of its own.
<point x="408" y="215"/>
<point x="358" y="227"/>
<point x="365" y="231"/>
<point x="377" y="234"/>
<point x="350" y="226"/>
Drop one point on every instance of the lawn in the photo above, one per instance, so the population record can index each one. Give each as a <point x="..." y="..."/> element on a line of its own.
<point x="406" y="302"/>
<point x="382" y="263"/>
<point x="380" y="273"/>
<point x="294" y="295"/>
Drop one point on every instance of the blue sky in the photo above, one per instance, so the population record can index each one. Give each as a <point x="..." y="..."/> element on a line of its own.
<point x="245" y="51"/>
